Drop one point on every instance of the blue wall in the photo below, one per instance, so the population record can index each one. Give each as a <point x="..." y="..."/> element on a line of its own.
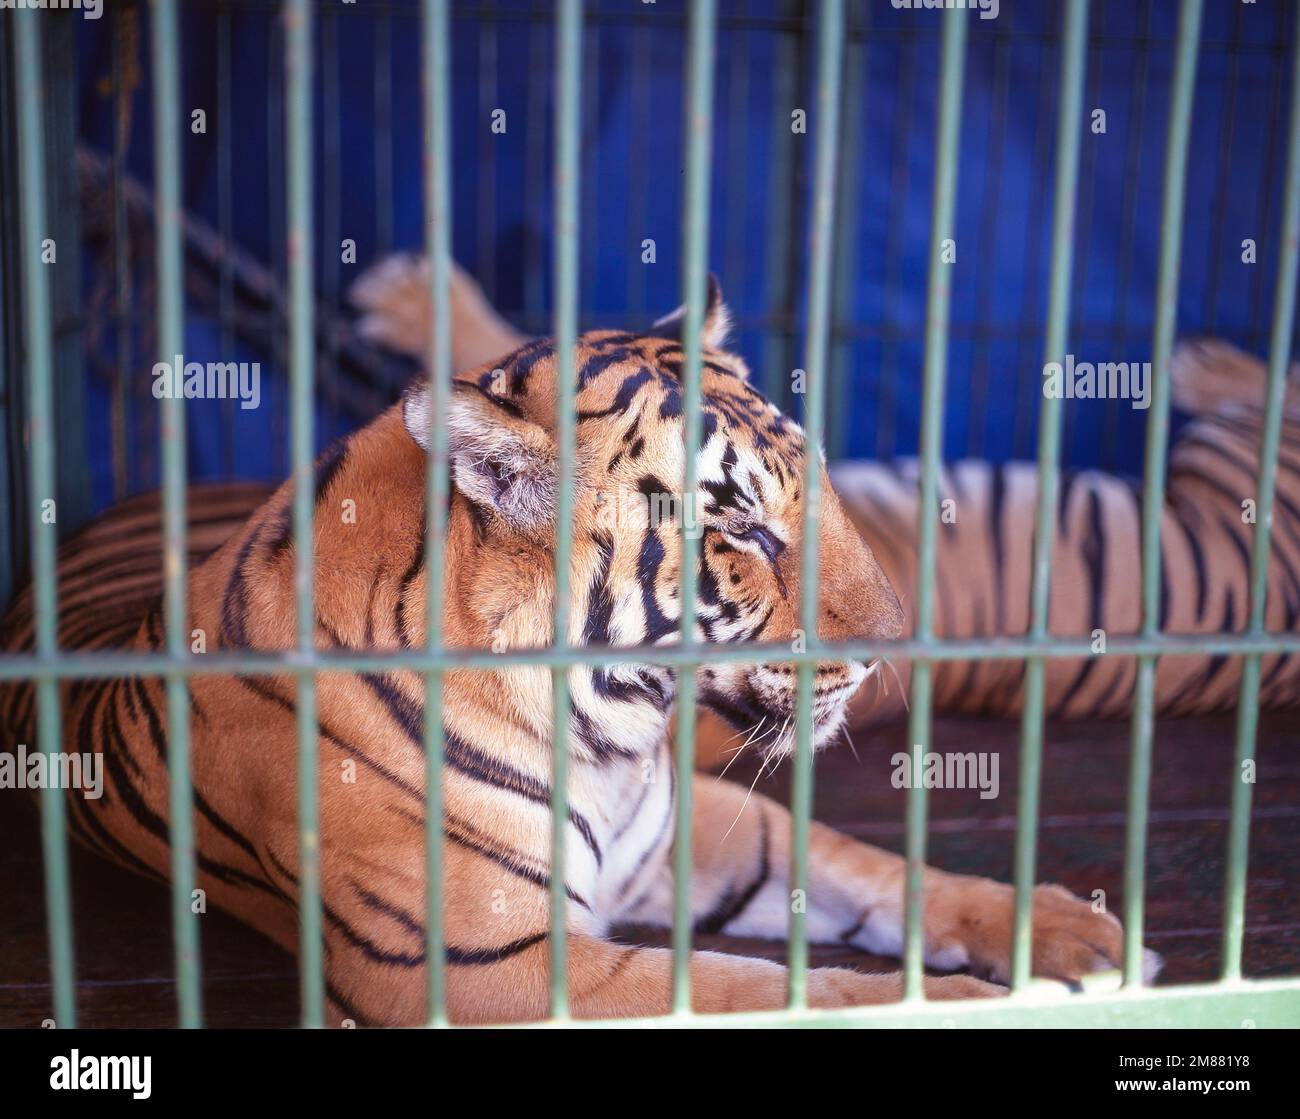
<point x="632" y="164"/>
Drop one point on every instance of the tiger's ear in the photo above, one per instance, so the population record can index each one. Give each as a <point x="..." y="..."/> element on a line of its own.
<point x="717" y="320"/>
<point x="501" y="461"/>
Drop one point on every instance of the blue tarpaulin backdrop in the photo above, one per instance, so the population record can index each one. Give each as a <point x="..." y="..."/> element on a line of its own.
<point x="368" y="188"/>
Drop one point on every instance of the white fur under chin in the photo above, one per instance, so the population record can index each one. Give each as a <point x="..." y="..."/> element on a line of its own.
<point x="825" y="731"/>
<point x="829" y="717"/>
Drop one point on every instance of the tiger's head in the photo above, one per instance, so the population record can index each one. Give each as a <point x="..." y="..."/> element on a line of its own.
<point x="628" y="511"/>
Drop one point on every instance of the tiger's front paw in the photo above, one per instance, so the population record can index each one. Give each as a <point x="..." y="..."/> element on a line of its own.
<point x="972" y="925"/>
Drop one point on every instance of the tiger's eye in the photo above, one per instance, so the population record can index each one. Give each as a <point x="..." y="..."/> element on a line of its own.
<point x="770" y="544"/>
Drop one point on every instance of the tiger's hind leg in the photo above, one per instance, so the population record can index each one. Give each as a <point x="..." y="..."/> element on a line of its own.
<point x="1210" y="377"/>
<point x="397" y="313"/>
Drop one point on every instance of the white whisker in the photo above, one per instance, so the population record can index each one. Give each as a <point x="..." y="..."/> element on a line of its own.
<point x="902" y="691"/>
<point x="746" y="802"/>
<point x="733" y="737"/>
<point x="844" y="730"/>
<point x="740" y="749"/>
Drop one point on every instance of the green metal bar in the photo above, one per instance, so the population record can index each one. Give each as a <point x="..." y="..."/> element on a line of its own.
<point x="938" y="300"/>
<point x="900" y="184"/>
<point x="1153" y="489"/>
<point x="383" y="135"/>
<point x="568" y="47"/>
<point x="82" y="666"/>
<point x="63" y="210"/>
<point x="165" y="46"/>
<point x="300" y="225"/>
<point x="225" y="228"/>
<point x="821" y="252"/>
<point x="782" y="170"/>
<point x="14" y="471"/>
<point x="739" y="171"/>
<point x="1279" y="350"/>
<point x="276" y="170"/>
<point x="700" y="59"/>
<point x="1069" y="130"/>
<point x="1238" y="853"/>
<point x="848" y="251"/>
<point x="638" y="199"/>
<point x="918" y="732"/>
<point x="534" y="163"/>
<point x="330" y="266"/>
<point x="437" y="204"/>
<point x="485" y="169"/>
<point x="41" y="435"/>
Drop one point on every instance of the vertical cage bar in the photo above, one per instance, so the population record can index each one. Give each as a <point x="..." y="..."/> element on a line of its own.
<point x="437" y="222"/>
<point x="275" y="220"/>
<point x="1234" y="888"/>
<point x="40" y="436"/>
<point x="738" y="168"/>
<point x="125" y="20"/>
<point x="900" y="183"/>
<point x="300" y="256"/>
<point x="1224" y="167"/>
<point x="778" y="330"/>
<point x="700" y="61"/>
<point x="1031" y="261"/>
<point x="568" y="46"/>
<point x="938" y="302"/>
<point x="844" y="347"/>
<point x="64" y="214"/>
<point x="1234" y="909"/>
<point x="1121" y="331"/>
<point x="1086" y="203"/>
<point x="589" y="116"/>
<point x="821" y="254"/>
<point x="485" y="171"/>
<point x="327" y="359"/>
<point x="992" y="213"/>
<point x="165" y="43"/>
<point x="1153" y="485"/>
<point x="1264" y="202"/>
<point x="383" y="154"/>
<point x="1069" y="130"/>
<point x="638" y="200"/>
<point x="534" y="164"/>
<point x="225" y="227"/>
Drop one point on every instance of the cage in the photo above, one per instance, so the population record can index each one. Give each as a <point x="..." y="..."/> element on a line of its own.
<point x="589" y="164"/>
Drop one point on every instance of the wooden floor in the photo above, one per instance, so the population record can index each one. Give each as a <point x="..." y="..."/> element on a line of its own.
<point x="123" y="942"/>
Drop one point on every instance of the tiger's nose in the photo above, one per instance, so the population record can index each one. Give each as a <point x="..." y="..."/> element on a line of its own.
<point x="857" y="599"/>
<point x="872" y="612"/>
<point x="886" y="620"/>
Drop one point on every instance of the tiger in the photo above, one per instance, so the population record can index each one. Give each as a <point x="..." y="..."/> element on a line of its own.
<point x="371" y="594"/>
<point x="1207" y="532"/>
<point x="984" y="548"/>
